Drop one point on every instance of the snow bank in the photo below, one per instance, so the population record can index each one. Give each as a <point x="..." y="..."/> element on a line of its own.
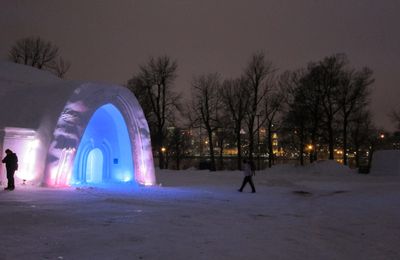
<point x="322" y="168"/>
<point x="329" y="167"/>
<point x="386" y="162"/>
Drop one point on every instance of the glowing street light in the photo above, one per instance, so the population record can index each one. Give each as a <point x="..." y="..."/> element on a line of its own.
<point x="310" y="148"/>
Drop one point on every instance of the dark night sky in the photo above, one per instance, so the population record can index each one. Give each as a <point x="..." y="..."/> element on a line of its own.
<point x="106" y="40"/>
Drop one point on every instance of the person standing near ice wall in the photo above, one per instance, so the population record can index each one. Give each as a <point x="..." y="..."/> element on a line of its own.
<point x="11" y="161"/>
<point x="248" y="171"/>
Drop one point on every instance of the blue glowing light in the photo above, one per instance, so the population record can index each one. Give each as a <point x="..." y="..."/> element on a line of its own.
<point x="104" y="154"/>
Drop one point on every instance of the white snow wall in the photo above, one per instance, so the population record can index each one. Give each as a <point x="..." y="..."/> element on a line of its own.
<point x="386" y="162"/>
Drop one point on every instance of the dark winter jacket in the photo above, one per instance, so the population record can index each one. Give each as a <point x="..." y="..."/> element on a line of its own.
<point x="11" y="161"/>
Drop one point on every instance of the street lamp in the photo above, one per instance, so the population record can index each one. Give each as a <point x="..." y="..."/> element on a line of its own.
<point x="310" y="148"/>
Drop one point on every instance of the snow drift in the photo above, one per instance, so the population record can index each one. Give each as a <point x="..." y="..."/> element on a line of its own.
<point x="386" y="162"/>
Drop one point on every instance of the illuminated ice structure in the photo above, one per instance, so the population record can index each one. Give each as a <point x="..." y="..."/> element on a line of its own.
<point x="71" y="133"/>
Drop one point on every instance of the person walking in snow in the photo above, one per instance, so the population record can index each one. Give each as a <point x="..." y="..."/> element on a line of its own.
<point x="11" y="161"/>
<point x="249" y="172"/>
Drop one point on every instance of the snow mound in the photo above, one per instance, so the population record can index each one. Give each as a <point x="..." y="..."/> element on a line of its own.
<point x="329" y="167"/>
<point x="386" y="162"/>
<point x="323" y="168"/>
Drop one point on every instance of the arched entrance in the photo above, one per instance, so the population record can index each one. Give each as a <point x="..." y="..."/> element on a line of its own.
<point x="94" y="166"/>
<point x="104" y="154"/>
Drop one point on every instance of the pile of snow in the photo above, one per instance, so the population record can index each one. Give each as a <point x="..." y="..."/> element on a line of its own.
<point x="386" y="162"/>
<point x="320" y="168"/>
<point x="329" y="167"/>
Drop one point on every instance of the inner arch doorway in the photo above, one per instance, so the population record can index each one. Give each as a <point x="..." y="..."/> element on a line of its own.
<point x="104" y="154"/>
<point x="94" y="166"/>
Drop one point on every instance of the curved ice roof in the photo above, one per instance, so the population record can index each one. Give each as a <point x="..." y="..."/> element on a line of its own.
<point x="28" y="95"/>
<point x="24" y="75"/>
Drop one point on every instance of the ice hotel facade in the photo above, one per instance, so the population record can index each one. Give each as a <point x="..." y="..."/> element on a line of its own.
<point x="69" y="132"/>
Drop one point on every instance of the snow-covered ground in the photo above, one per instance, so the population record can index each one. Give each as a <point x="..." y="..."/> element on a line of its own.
<point x="322" y="211"/>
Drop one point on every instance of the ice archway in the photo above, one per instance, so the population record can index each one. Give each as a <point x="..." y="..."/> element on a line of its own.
<point x="48" y="129"/>
<point x="103" y="154"/>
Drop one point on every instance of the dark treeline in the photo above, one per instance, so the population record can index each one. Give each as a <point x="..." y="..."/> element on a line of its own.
<point x="328" y="105"/>
<point x="324" y="105"/>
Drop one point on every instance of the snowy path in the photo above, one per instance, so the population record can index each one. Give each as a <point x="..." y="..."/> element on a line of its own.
<point x="200" y="215"/>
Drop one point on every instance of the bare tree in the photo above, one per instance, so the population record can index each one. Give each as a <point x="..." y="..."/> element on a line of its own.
<point x="60" y="67"/>
<point x="395" y="116"/>
<point x="177" y="145"/>
<point x="273" y="104"/>
<point x="256" y="73"/>
<point x="327" y="75"/>
<point x="206" y="102"/>
<point x="138" y="85"/>
<point x="235" y="99"/>
<point x="297" y="118"/>
<point x="154" y="83"/>
<point x="39" y="53"/>
<point x="34" y="51"/>
<point x="312" y="95"/>
<point x="326" y="97"/>
<point x="361" y="132"/>
<point x="222" y="133"/>
<point x="352" y="96"/>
